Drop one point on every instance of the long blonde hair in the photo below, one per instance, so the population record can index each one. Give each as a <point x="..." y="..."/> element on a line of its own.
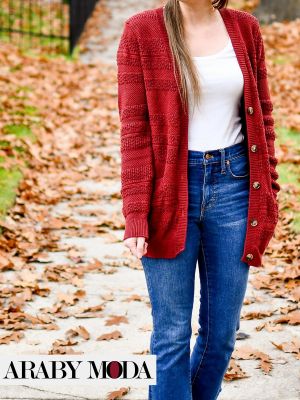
<point x="181" y="56"/>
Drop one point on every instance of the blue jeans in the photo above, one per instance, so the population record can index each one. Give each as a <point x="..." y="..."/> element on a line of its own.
<point x="218" y="190"/>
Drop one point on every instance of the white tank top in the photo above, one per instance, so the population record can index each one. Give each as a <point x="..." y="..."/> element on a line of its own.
<point x="216" y="123"/>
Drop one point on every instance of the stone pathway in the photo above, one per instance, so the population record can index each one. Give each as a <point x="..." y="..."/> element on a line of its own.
<point x="281" y="383"/>
<point x="105" y="50"/>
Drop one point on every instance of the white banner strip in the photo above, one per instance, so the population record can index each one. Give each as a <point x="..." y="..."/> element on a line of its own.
<point x="138" y="370"/>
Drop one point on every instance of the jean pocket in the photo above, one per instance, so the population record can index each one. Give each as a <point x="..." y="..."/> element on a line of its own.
<point x="238" y="167"/>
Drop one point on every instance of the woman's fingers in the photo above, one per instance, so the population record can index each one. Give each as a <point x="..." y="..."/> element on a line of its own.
<point x="131" y="244"/>
<point x="137" y="246"/>
<point x="140" y="247"/>
<point x="145" y="248"/>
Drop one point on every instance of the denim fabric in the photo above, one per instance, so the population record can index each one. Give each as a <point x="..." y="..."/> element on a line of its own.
<point x="218" y="188"/>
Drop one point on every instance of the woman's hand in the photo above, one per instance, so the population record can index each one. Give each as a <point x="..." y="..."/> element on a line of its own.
<point x="136" y="245"/>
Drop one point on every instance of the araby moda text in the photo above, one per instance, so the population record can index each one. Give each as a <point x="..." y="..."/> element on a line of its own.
<point x="69" y="369"/>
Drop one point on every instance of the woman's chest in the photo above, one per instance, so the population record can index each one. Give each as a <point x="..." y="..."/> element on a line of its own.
<point x="227" y="71"/>
<point x="219" y="75"/>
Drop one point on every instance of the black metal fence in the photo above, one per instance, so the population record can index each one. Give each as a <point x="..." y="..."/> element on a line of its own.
<point x="54" y="24"/>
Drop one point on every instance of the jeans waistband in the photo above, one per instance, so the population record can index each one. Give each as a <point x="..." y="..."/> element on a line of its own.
<point x="218" y="155"/>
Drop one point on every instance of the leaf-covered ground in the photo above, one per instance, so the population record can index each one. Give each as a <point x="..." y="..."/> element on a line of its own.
<point x="67" y="283"/>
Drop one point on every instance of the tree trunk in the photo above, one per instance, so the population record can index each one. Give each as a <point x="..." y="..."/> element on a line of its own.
<point x="277" y="10"/>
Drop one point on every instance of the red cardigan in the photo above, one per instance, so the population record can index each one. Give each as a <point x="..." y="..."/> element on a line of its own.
<point x="154" y="135"/>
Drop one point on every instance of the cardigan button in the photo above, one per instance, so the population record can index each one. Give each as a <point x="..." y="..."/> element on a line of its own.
<point x="249" y="256"/>
<point x="250" y="110"/>
<point x="256" y="185"/>
<point x="254" y="148"/>
<point x="254" y="222"/>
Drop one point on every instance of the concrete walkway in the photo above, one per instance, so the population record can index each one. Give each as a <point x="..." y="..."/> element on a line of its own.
<point x="105" y="50"/>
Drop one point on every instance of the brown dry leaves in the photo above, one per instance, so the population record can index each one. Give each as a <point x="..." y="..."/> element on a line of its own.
<point x="76" y="134"/>
<point x="234" y="371"/>
<point x="118" y="394"/>
<point x="290" y="347"/>
<point x="249" y="353"/>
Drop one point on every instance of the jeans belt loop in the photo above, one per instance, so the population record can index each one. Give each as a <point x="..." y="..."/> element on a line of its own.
<point x="223" y="169"/>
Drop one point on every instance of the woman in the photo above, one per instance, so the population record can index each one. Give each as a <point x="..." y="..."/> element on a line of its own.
<point x="198" y="174"/>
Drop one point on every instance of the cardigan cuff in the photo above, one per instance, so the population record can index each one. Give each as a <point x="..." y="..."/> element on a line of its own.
<point x="136" y="226"/>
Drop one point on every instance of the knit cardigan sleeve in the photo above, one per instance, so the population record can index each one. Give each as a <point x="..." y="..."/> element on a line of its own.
<point x="135" y="137"/>
<point x="267" y="108"/>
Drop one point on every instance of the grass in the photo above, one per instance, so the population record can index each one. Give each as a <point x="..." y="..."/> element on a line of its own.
<point x="65" y="55"/>
<point x="27" y="110"/>
<point x="19" y="130"/>
<point x="282" y="59"/>
<point x="10" y="178"/>
<point x="289" y="173"/>
<point x="286" y="135"/>
<point x="36" y="18"/>
<point x="9" y="182"/>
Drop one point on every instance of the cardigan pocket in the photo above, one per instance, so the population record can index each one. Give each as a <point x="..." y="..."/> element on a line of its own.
<point x="162" y="221"/>
<point x="269" y="218"/>
<point x="163" y="193"/>
<point x="271" y="211"/>
<point x="157" y="192"/>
